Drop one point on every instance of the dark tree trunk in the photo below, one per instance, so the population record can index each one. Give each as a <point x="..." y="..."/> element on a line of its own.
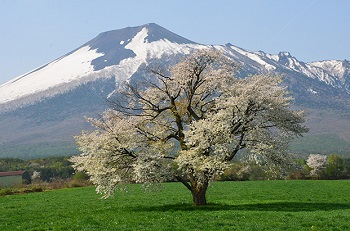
<point x="198" y="190"/>
<point x="198" y="193"/>
<point x="199" y="198"/>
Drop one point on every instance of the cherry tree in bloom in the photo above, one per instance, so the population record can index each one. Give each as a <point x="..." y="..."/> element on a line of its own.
<point x="187" y="124"/>
<point x="317" y="163"/>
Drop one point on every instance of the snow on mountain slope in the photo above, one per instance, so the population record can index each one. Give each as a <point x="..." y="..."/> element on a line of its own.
<point x="333" y="72"/>
<point x="254" y="57"/>
<point x="331" y="66"/>
<point x="145" y="50"/>
<point x="60" y="71"/>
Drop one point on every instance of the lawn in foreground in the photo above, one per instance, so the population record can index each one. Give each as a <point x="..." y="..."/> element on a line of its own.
<point x="255" y="205"/>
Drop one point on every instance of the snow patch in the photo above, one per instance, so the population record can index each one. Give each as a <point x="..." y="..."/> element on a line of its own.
<point x="312" y="91"/>
<point x="255" y="58"/>
<point x="145" y="50"/>
<point x="273" y="57"/>
<point x="332" y="72"/>
<point x="285" y="53"/>
<point x="331" y="66"/>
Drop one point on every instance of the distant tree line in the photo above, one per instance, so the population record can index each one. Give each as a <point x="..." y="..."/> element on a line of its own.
<point x="44" y="169"/>
<point x="316" y="166"/>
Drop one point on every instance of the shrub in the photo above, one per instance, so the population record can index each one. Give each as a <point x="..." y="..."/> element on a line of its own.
<point x="80" y="176"/>
<point x="6" y="191"/>
<point x="297" y="175"/>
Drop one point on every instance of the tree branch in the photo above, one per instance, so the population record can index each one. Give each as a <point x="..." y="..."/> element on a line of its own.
<point x="184" y="182"/>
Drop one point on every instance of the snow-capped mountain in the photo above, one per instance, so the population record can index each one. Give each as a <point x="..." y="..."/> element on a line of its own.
<point x="48" y="103"/>
<point x="120" y="53"/>
<point x="116" y="54"/>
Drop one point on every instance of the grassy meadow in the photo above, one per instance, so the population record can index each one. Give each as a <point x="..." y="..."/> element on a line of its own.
<point x="249" y="205"/>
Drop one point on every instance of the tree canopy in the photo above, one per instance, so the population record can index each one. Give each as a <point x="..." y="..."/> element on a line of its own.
<point x="187" y="124"/>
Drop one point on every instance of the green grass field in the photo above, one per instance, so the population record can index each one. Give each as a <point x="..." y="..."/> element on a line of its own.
<point x="251" y="205"/>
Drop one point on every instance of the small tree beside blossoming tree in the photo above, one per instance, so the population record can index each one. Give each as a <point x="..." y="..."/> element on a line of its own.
<point x="317" y="163"/>
<point x="187" y="124"/>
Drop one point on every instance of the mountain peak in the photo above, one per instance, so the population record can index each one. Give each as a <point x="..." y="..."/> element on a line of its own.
<point x="156" y="32"/>
<point x="284" y="54"/>
<point x="113" y="43"/>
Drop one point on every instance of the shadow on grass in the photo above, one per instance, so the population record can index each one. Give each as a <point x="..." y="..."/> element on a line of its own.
<point x="273" y="206"/>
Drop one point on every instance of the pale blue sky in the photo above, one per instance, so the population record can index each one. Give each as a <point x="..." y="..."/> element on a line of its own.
<point x="34" y="32"/>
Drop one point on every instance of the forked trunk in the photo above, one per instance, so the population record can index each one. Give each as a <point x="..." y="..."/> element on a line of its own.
<point x="198" y="190"/>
